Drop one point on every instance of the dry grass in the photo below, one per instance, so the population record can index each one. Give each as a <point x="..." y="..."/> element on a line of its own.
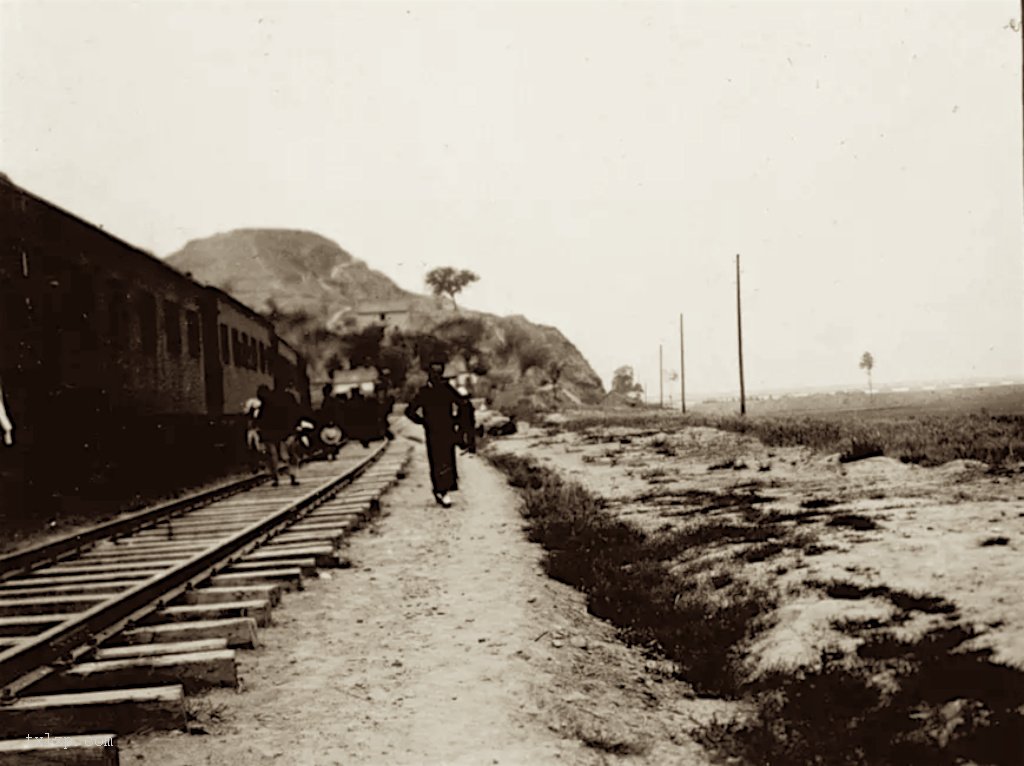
<point x="922" y="439"/>
<point x="929" y="700"/>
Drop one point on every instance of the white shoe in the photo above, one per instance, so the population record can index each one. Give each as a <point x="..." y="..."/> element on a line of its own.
<point x="446" y="501"/>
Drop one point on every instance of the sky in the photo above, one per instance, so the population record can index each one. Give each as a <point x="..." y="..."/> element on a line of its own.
<point x="598" y="164"/>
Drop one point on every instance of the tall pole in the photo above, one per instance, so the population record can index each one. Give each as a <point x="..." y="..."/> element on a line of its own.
<point x="682" y="364"/>
<point x="739" y="335"/>
<point x="661" y="380"/>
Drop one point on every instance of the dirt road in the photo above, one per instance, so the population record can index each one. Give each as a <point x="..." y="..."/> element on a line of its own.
<point x="444" y="644"/>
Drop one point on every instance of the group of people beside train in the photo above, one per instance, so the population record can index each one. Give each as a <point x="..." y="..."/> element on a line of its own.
<point x="280" y="432"/>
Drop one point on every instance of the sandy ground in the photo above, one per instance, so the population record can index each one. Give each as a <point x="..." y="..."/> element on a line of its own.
<point x="953" y="531"/>
<point x="444" y="644"/>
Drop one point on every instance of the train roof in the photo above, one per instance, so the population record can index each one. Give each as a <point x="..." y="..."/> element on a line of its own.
<point x="237" y="304"/>
<point x="7" y="183"/>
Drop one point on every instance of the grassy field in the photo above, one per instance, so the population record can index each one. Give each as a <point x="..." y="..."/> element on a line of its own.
<point x="925" y="439"/>
<point x="901" y="697"/>
<point x="991" y="400"/>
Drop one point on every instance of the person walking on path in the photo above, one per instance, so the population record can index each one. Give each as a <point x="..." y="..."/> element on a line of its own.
<point x="276" y="423"/>
<point x="438" y="408"/>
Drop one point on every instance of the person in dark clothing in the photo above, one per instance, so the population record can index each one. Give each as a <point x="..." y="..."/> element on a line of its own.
<point x="385" y="403"/>
<point x="467" y="423"/>
<point x="276" y="423"/>
<point x="438" y="407"/>
<point x="329" y="420"/>
<point x="359" y="418"/>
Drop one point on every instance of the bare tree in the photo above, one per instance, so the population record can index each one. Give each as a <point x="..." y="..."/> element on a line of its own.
<point x="867" y="362"/>
<point x="445" y="280"/>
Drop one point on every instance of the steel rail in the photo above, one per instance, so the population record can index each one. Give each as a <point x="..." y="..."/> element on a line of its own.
<point x="28" y="662"/>
<point x="47" y="553"/>
<point x="73" y="544"/>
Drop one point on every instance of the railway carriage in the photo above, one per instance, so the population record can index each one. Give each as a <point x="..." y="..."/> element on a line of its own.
<point x="120" y="374"/>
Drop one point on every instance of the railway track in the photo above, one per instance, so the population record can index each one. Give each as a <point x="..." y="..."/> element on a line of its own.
<point x="108" y="632"/>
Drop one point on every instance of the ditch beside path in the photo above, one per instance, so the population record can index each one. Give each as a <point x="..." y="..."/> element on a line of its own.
<point x="444" y="644"/>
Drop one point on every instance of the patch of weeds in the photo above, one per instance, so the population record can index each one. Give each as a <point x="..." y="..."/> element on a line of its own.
<point x="709" y="533"/>
<point x="720" y="580"/>
<point x="913" y="602"/>
<point x="856" y="626"/>
<point x="819" y="502"/>
<point x="624" y="573"/>
<point x="849" y="591"/>
<point x="945" y="707"/>
<point x="861" y="449"/>
<point x="995" y="541"/>
<point x="762" y="552"/>
<point x="705" y="502"/>
<point x="610" y="739"/>
<point x="901" y="599"/>
<point x="201" y="714"/>
<point x="723" y="465"/>
<point x="654" y="473"/>
<point x="800" y="517"/>
<point x="816" y="549"/>
<point x="853" y="521"/>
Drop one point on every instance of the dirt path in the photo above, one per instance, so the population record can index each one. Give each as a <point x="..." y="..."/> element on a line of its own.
<point x="444" y="644"/>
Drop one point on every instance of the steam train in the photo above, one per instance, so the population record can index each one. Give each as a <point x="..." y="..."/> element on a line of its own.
<point x="120" y="374"/>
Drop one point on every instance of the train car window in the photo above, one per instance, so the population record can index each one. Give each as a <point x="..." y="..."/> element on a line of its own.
<point x="172" y="327"/>
<point x="225" y="349"/>
<point x="260" y="356"/>
<point x="117" y="314"/>
<point x="192" y="333"/>
<point x="243" y="343"/>
<point x="236" y="351"/>
<point x="147" y="322"/>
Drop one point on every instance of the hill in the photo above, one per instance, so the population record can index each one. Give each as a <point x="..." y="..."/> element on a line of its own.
<point x="285" y="269"/>
<point x="308" y="285"/>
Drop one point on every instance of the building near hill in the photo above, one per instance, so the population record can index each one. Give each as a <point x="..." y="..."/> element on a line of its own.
<point x="346" y="381"/>
<point x="391" y="314"/>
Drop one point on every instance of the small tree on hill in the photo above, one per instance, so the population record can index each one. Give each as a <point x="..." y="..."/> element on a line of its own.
<point x="867" y="362"/>
<point x="445" y="280"/>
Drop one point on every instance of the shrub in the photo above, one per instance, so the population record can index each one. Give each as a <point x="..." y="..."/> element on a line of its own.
<point x="624" y="573"/>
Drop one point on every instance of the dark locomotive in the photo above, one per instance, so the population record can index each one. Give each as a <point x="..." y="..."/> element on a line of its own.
<point x="122" y="376"/>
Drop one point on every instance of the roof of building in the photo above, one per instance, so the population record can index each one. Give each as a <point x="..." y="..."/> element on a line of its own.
<point x="392" y="307"/>
<point x="356" y="375"/>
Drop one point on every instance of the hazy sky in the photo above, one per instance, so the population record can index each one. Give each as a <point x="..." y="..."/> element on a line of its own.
<point x="599" y="165"/>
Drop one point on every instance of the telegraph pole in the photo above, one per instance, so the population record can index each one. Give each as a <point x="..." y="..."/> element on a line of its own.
<point x="661" y="381"/>
<point x="739" y="335"/>
<point x="682" y="364"/>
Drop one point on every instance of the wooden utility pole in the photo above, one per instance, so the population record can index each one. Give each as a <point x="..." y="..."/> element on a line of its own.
<point x="661" y="380"/>
<point x="739" y="335"/>
<point x="682" y="365"/>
